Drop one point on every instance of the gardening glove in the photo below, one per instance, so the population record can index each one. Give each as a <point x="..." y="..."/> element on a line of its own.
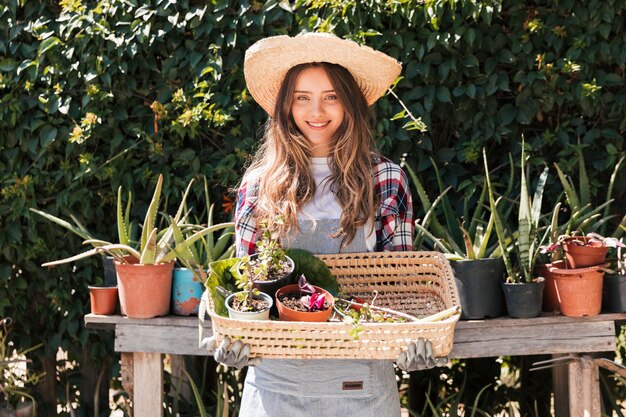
<point x="235" y="354"/>
<point x="419" y="356"/>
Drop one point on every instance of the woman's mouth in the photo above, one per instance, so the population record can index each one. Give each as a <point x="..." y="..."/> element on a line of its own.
<point x="318" y="125"/>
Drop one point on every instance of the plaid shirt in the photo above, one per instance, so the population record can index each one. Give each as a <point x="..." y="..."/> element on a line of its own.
<point x="393" y="222"/>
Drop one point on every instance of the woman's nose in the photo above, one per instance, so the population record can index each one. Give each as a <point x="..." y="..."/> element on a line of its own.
<point x="317" y="107"/>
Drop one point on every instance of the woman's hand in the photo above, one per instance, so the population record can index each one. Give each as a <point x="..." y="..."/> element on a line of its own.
<point x="235" y="354"/>
<point x="419" y="356"/>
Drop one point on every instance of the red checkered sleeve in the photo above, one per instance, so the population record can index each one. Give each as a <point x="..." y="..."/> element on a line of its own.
<point x="394" y="218"/>
<point x="245" y="220"/>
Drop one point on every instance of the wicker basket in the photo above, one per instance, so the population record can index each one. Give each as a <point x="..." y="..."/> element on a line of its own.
<point x="417" y="283"/>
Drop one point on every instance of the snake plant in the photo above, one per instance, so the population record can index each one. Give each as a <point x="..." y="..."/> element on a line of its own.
<point x="525" y="243"/>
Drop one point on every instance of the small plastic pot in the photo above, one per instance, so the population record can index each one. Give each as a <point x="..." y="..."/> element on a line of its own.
<point x="103" y="300"/>
<point x="287" y="314"/>
<point x="579" y="290"/>
<point x="584" y="256"/>
<point x="524" y="300"/>
<point x="249" y="315"/>
<point x="186" y="292"/>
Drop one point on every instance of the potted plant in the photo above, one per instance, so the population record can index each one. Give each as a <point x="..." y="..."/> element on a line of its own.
<point x="583" y="216"/>
<point x="249" y="303"/>
<point x="269" y="268"/>
<point x="144" y="271"/>
<point x="470" y="247"/>
<point x="614" y="288"/>
<point x="579" y="278"/>
<point x="190" y="274"/>
<point x="303" y="302"/>
<point x="103" y="300"/>
<point x="585" y="251"/>
<point x="523" y="291"/>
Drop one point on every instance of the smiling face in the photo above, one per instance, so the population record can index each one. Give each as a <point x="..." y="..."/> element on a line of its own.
<point x="316" y="109"/>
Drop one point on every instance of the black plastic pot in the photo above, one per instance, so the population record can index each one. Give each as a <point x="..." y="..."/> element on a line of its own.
<point x="110" y="276"/>
<point x="270" y="287"/>
<point x="614" y="293"/>
<point x="524" y="300"/>
<point x="480" y="287"/>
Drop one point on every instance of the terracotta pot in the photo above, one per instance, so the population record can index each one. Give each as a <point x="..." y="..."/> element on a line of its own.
<point x="551" y="300"/>
<point x="145" y="290"/>
<point x="186" y="292"/>
<point x="103" y="300"/>
<point x="287" y="314"/>
<point x="584" y="256"/>
<point x="249" y="315"/>
<point x="579" y="290"/>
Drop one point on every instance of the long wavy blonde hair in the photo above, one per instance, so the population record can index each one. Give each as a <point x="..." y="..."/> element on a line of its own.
<point x="282" y="163"/>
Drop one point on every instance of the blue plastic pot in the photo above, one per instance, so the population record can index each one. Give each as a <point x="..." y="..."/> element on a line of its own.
<point x="186" y="292"/>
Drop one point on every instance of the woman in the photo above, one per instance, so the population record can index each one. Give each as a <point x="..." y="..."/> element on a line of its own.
<point x="318" y="170"/>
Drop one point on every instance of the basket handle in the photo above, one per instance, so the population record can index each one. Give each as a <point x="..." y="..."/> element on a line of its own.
<point x="442" y="315"/>
<point x="202" y="310"/>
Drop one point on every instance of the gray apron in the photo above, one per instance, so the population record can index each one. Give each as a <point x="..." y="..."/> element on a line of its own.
<point x="321" y="387"/>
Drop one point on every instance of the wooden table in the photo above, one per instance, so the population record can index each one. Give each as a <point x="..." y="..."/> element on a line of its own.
<point x="142" y="343"/>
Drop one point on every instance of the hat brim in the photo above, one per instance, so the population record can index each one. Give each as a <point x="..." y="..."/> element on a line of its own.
<point x="268" y="61"/>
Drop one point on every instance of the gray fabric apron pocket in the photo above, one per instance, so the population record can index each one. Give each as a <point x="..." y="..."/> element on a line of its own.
<point x="337" y="378"/>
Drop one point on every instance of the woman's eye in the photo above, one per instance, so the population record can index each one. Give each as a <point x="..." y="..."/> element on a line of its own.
<point x="331" y="97"/>
<point x="302" y="98"/>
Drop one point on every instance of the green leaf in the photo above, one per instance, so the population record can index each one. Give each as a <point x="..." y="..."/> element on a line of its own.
<point x="8" y="65"/>
<point x="443" y="94"/>
<point x="314" y="269"/>
<point x="150" y="217"/>
<point x="48" y="44"/>
<point x="47" y="136"/>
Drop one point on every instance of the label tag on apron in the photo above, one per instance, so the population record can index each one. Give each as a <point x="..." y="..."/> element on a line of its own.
<point x="352" y="385"/>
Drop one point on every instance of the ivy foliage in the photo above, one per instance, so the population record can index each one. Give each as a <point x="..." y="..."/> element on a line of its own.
<point x="98" y="94"/>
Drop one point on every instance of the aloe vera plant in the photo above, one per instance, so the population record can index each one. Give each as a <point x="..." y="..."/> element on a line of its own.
<point x="155" y="246"/>
<point x="585" y="217"/>
<point x="525" y="242"/>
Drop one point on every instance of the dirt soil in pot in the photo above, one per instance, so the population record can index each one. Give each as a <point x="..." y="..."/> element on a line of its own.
<point x="254" y="263"/>
<point x="292" y="301"/>
<point x="257" y="305"/>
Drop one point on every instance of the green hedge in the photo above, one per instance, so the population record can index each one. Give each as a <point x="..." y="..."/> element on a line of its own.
<point x="94" y="95"/>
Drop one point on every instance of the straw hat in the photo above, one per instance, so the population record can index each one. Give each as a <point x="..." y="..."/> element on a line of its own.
<point x="268" y="60"/>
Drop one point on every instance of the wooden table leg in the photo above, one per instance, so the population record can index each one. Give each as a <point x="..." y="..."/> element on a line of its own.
<point x="584" y="388"/>
<point x="148" y="384"/>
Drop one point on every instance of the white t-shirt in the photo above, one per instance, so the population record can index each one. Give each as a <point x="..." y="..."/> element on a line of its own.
<point x="324" y="204"/>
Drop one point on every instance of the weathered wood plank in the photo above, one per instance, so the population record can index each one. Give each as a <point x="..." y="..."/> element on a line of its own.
<point x="544" y="331"/>
<point x="544" y="319"/>
<point x="92" y="320"/>
<point x="533" y="339"/>
<point x="479" y="349"/>
<point x="148" y="384"/>
<point x="162" y="339"/>
<point x="469" y="343"/>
